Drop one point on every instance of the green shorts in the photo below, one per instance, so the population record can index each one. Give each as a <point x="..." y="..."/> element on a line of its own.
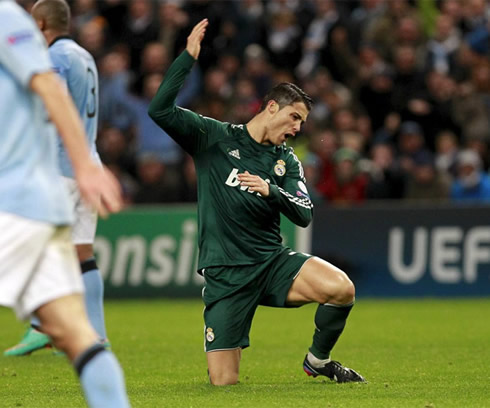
<point x="232" y="293"/>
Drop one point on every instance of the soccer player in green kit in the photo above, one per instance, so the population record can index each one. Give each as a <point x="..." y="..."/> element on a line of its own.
<point x="246" y="178"/>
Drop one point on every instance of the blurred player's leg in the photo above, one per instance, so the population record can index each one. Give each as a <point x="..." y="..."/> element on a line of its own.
<point x="94" y="294"/>
<point x="100" y="374"/>
<point x="32" y="340"/>
<point x="83" y="234"/>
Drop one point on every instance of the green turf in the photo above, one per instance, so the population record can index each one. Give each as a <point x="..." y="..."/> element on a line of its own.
<point x="416" y="353"/>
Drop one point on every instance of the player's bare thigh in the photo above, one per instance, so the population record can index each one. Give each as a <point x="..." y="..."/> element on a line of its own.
<point x="224" y="366"/>
<point x="321" y="282"/>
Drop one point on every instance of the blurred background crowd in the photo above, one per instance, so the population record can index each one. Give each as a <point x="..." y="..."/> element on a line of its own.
<point x="401" y="90"/>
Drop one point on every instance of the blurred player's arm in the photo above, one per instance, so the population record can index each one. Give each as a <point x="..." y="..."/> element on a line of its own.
<point x="97" y="186"/>
<point x="193" y="132"/>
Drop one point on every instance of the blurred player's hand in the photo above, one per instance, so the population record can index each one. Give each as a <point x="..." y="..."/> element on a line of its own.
<point x="254" y="183"/>
<point x="195" y="38"/>
<point x="100" y="189"/>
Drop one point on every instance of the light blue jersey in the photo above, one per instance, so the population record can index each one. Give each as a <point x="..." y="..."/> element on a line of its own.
<point x="77" y="69"/>
<point x="29" y="175"/>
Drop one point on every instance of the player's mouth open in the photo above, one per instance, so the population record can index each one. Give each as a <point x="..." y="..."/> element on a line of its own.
<point x="288" y="135"/>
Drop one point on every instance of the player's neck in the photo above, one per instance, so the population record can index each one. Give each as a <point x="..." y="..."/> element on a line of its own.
<point x="52" y="35"/>
<point x="257" y="127"/>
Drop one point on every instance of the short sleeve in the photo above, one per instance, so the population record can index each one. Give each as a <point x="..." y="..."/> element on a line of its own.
<point x="23" y="51"/>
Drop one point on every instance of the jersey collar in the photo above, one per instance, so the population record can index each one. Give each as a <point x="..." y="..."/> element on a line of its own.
<point x="61" y="37"/>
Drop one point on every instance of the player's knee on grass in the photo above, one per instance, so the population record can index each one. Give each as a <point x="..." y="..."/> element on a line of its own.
<point x="224" y="367"/>
<point x="223" y="378"/>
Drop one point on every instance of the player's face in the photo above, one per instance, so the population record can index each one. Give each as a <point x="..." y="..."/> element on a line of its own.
<point x="286" y="122"/>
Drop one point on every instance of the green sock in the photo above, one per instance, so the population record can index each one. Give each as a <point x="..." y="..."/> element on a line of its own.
<point x="330" y="322"/>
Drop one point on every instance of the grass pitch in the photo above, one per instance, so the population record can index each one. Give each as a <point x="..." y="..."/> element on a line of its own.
<point x="414" y="353"/>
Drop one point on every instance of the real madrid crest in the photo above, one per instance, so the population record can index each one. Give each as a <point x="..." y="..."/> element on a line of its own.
<point x="209" y="334"/>
<point x="280" y="168"/>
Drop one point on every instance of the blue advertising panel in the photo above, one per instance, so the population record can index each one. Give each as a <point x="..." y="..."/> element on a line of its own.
<point x="408" y="250"/>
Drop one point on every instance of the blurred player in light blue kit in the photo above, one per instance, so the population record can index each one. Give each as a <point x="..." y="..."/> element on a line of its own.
<point x="78" y="71"/>
<point x="39" y="271"/>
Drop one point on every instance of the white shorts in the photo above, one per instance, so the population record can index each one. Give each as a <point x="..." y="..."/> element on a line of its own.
<point x="85" y="225"/>
<point x="38" y="264"/>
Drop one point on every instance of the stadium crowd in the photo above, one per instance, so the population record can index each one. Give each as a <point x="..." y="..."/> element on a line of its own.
<point x="401" y="90"/>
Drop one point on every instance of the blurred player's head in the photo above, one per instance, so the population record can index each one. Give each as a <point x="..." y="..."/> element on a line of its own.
<point x="286" y="94"/>
<point x="52" y="15"/>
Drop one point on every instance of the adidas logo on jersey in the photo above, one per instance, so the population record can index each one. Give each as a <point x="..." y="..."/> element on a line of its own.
<point x="235" y="153"/>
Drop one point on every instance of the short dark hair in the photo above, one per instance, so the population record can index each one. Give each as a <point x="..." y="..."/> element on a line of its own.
<point x="55" y="12"/>
<point x="286" y="94"/>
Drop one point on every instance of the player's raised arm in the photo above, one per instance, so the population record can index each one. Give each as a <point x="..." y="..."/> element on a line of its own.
<point x="195" y="38"/>
<point x="191" y="131"/>
<point x="97" y="186"/>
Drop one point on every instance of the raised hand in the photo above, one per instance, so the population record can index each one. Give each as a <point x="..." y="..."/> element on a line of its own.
<point x="195" y="37"/>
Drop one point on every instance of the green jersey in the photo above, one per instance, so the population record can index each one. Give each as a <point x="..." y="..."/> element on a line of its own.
<point x="236" y="226"/>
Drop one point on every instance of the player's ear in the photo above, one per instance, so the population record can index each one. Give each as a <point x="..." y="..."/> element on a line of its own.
<point x="40" y="23"/>
<point x="272" y="106"/>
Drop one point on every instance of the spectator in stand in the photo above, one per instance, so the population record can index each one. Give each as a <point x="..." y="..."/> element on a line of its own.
<point x="317" y="35"/>
<point x="362" y="60"/>
<point x="376" y="94"/>
<point x="83" y="12"/>
<point x="114" y="13"/>
<point x="172" y="19"/>
<point x="386" y="178"/>
<point x="482" y="147"/>
<point x="312" y="166"/>
<point x="363" y="16"/>
<point x="409" y="33"/>
<point x="454" y="10"/>
<point x="477" y="14"/>
<point x="91" y="36"/>
<point x="282" y="38"/>
<point x="353" y="140"/>
<point x="141" y="28"/>
<point x="245" y="101"/>
<point x="148" y="136"/>
<point x="443" y="46"/>
<point x="471" y="108"/>
<point x="424" y="181"/>
<point x="410" y="145"/>
<point x="257" y="68"/>
<point x="114" y="80"/>
<point x="346" y="184"/>
<point x="408" y="79"/>
<point x="432" y="107"/>
<point x="344" y="120"/>
<point x="471" y="184"/>
<point x="115" y="148"/>
<point x="329" y="95"/>
<point x="156" y="183"/>
<point x="370" y="62"/>
<point x="381" y="30"/>
<point x="447" y="149"/>
<point x="154" y="60"/>
<point x="339" y="57"/>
